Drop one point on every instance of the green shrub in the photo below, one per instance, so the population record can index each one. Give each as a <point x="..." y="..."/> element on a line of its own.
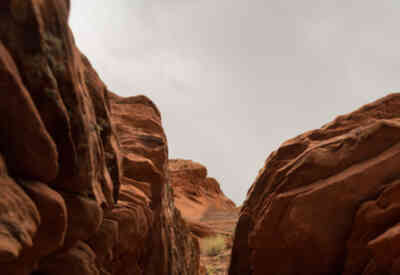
<point x="213" y="246"/>
<point x="210" y="270"/>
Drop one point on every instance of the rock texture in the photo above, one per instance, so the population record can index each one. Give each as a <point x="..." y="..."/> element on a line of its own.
<point x="59" y="172"/>
<point x="211" y="216"/>
<point x="327" y="201"/>
<point x="195" y="193"/>
<point x="72" y="201"/>
<point x="154" y="239"/>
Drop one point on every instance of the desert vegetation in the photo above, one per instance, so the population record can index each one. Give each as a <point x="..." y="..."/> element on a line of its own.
<point x="213" y="246"/>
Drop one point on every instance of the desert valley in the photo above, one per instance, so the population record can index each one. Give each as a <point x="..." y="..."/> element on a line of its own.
<point x="87" y="186"/>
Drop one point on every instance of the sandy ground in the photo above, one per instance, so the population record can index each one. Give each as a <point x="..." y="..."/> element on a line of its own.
<point x="222" y="222"/>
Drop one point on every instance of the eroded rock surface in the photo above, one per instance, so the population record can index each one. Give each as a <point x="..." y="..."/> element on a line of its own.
<point x="56" y="180"/>
<point x="153" y="237"/>
<point x="326" y="202"/>
<point x="65" y="205"/>
<point x="195" y="193"/>
<point x="211" y="216"/>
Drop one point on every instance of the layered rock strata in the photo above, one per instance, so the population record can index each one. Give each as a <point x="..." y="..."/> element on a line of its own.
<point x="195" y="193"/>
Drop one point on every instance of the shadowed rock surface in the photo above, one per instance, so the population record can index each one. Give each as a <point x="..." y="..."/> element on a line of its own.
<point x="327" y="201"/>
<point x="59" y="172"/>
<point x="159" y="240"/>
<point x="72" y="201"/>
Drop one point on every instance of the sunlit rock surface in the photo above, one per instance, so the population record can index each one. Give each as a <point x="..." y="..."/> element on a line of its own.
<point x="197" y="195"/>
<point x="327" y="201"/>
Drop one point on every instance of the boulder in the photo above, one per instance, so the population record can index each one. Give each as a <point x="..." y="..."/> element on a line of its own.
<point x="326" y="201"/>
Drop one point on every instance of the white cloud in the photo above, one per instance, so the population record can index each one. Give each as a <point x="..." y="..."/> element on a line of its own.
<point x="234" y="79"/>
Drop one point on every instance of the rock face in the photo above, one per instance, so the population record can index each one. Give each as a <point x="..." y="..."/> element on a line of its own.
<point x="162" y="241"/>
<point x="211" y="216"/>
<point x="327" y="201"/>
<point x="196" y="195"/>
<point x="65" y="205"/>
<point x="59" y="172"/>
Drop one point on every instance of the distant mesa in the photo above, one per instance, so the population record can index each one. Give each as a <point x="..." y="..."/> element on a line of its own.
<point x="210" y="215"/>
<point x="196" y="195"/>
<point x="192" y="186"/>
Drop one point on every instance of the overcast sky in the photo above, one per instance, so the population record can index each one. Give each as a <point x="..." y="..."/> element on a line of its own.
<point x="234" y="79"/>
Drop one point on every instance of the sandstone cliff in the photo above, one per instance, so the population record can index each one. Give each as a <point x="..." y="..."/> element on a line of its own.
<point x="195" y="193"/>
<point x="327" y="201"/>
<point x="159" y="240"/>
<point x="211" y="216"/>
<point x="72" y="201"/>
<point x="198" y="197"/>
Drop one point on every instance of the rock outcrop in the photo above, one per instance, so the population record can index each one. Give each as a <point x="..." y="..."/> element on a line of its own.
<point x="210" y="215"/>
<point x="197" y="195"/>
<point x="159" y="240"/>
<point x="59" y="172"/>
<point x="327" y="201"/>
<point x="72" y="201"/>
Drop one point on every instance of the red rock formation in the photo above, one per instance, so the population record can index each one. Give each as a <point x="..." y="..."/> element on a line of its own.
<point x="60" y="159"/>
<point x="194" y="191"/>
<point x="146" y="197"/>
<point x="196" y="194"/>
<point x="326" y="202"/>
<point x="56" y="179"/>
